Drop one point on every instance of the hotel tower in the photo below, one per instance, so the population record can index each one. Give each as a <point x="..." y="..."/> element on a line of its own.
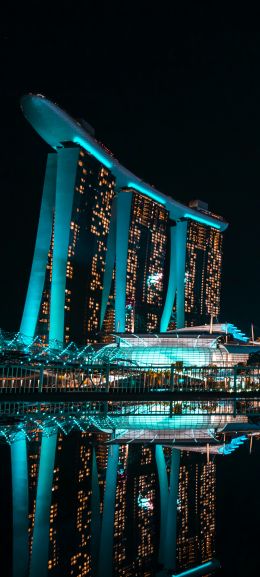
<point x="112" y="253"/>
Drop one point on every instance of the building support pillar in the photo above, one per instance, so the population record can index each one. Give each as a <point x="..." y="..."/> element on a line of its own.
<point x="40" y="257"/>
<point x="40" y="543"/>
<point x="20" y="506"/>
<point x="163" y="486"/>
<point x="181" y="239"/>
<point x="66" y="177"/>
<point x="124" y="203"/>
<point x="107" y="528"/>
<point x="172" y="284"/>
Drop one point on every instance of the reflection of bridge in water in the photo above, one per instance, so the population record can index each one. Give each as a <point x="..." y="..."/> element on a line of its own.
<point x="206" y="409"/>
<point x="115" y="397"/>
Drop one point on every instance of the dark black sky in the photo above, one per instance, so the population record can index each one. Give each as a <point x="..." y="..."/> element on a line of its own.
<point x="175" y="94"/>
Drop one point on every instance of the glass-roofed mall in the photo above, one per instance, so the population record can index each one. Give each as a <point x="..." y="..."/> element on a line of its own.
<point x="222" y="345"/>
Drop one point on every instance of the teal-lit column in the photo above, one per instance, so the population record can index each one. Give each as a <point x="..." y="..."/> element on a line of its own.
<point x="124" y="203"/>
<point x="171" y="522"/>
<point x="172" y="284"/>
<point x="181" y="239"/>
<point x="40" y="258"/>
<point x="66" y="177"/>
<point x="20" y="506"/>
<point x="40" y="545"/>
<point x="110" y="262"/>
<point x="107" y="528"/>
<point x="95" y="515"/>
<point x="163" y="486"/>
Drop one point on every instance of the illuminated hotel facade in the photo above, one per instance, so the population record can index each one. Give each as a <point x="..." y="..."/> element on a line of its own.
<point x="87" y="232"/>
<point x="112" y="253"/>
<point x="202" y="270"/>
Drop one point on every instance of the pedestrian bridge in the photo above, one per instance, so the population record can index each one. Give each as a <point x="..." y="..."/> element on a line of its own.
<point x="116" y="398"/>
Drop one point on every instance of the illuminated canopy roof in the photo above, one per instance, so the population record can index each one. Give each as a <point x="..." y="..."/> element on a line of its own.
<point x="56" y="127"/>
<point x="216" y="329"/>
<point x="222" y="345"/>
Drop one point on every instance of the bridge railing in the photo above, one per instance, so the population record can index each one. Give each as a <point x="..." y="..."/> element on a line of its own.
<point x="127" y="379"/>
<point x="121" y="410"/>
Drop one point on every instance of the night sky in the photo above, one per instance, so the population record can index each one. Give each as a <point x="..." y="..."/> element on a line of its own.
<point x="173" y="93"/>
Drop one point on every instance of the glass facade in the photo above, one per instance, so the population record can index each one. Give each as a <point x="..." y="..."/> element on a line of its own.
<point x="146" y="265"/>
<point x="89" y="226"/>
<point x="196" y="523"/>
<point x="33" y="472"/>
<point x="203" y="273"/>
<point x="142" y="511"/>
<point x="150" y="257"/>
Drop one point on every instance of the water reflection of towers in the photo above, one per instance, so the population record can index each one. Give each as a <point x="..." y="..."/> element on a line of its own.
<point x="86" y="504"/>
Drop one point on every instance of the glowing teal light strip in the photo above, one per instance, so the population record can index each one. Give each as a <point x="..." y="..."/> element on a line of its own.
<point x="163" y="486"/>
<point x="42" y="245"/>
<point x="202" y="220"/>
<point x="195" y="569"/>
<point x="172" y="284"/>
<point x="20" y="507"/>
<point x="146" y="191"/>
<point x="181" y="241"/>
<point x="65" y="182"/>
<point x="90" y="148"/>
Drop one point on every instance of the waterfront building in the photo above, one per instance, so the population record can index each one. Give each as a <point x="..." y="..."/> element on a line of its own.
<point x="112" y="253"/>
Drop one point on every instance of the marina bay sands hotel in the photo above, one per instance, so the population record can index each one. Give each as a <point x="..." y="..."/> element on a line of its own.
<point x="112" y="253"/>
